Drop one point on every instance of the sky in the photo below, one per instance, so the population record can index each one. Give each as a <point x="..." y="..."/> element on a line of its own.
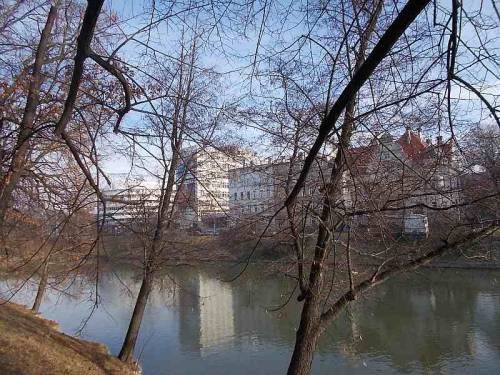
<point x="134" y="16"/>
<point x="233" y="61"/>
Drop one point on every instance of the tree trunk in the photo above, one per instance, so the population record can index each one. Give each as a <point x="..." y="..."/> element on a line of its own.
<point x="41" y="287"/>
<point x="310" y="322"/>
<point x="163" y="223"/>
<point x="9" y="181"/>
<point x="306" y="338"/>
<point x="310" y="318"/>
<point x="128" y="346"/>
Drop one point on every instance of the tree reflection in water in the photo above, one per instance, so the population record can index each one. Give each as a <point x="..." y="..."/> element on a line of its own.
<point x="437" y="321"/>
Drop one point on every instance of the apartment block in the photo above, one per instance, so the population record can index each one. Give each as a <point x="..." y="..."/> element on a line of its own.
<point x="257" y="192"/>
<point x="253" y="190"/>
<point x="203" y="182"/>
<point x="128" y="198"/>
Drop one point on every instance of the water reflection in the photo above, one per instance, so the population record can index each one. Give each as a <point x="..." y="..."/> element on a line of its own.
<point x="437" y="322"/>
<point x="433" y="322"/>
<point x="206" y="316"/>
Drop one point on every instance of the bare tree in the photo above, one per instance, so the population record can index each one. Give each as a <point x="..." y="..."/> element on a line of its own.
<point x="315" y="316"/>
<point x="354" y="86"/>
<point x="390" y="70"/>
<point x="179" y="112"/>
<point x="26" y="127"/>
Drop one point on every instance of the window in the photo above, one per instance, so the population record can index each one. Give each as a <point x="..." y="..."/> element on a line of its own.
<point x="241" y="195"/>
<point x="235" y="196"/>
<point x="248" y="195"/>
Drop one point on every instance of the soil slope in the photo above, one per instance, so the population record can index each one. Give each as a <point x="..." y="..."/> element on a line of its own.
<point x="30" y="345"/>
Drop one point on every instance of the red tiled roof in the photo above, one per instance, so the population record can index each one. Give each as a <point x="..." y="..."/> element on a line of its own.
<point x="412" y="145"/>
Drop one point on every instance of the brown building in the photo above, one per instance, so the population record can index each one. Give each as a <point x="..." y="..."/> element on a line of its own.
<point x="396" y="178"/>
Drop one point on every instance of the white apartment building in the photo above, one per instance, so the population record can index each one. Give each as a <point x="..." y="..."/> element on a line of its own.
<point x="258" y="191"/>
<point x="252" y="190"/>
<point x="203" y="182"/>
<point x="128" y="198"/>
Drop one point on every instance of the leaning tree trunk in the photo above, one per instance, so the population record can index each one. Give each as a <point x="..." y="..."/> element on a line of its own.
<point x="310" y="323"/>
<point x="41" y="287"/>
<point x="11" y="178"/>
<point x="309" y="329"/>
<point x="127" y="351"/>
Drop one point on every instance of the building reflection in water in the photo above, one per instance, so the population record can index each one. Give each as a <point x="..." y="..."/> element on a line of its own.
<point x="436" y="323"/>
<point x="206" y="314"/>
<point x="216" y="312"/>
<point x="433" y="322"/>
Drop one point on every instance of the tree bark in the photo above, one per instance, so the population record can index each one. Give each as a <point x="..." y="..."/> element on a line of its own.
<point x="310" y="323"/>
<point x="41" y="287"/>
<point x="127" y="351"/>
<point x="82" y="53"/>
<point x="17" y="166"/>
<point x="309" y="328"/>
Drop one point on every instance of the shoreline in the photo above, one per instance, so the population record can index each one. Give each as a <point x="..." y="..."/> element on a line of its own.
<point x="263" y="262"/>
<point x="31" y="344"/>
<point x="465" y="265"/>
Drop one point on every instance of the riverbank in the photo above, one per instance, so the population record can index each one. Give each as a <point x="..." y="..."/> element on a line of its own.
<point x="227" y="248"/>
<point x="187" y="303"/>
<point x="31" y="345"/>
<point x="464" y="264"/>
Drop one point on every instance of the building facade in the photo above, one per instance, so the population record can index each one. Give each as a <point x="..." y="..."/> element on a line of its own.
<point x="128" y="199"/>
<point x="218" y="187"/>
<point x="253" y="191"/>
<point x="402" y="177"/>
<point x="257" y="192"/>
<point x="203" y="183"/>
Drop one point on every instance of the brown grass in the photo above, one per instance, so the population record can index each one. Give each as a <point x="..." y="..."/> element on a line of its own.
<point x="30" y="345"/>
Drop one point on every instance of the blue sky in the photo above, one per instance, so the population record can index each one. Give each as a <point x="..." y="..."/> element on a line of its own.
<point x="233" y="61"/>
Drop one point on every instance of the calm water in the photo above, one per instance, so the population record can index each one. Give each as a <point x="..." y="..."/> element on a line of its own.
<point x="436" y="322"/>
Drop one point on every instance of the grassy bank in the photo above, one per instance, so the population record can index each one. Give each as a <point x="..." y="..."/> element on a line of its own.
<point x="30" y="345"/>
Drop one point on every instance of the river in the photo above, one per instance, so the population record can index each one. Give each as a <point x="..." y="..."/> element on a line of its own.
<point x="434" y="321"/>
